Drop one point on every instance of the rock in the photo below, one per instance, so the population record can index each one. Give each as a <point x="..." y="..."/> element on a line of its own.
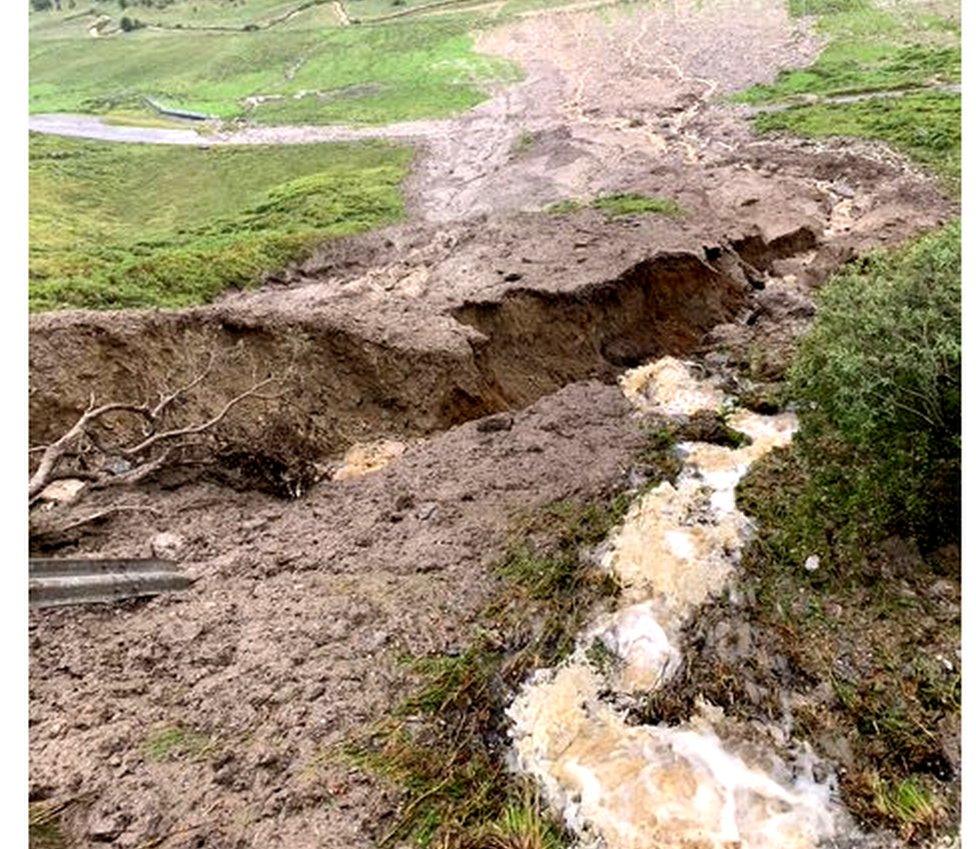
<point x="104" y="827"/>
<point x="779" y="301"/>
<point x="62" y="492"/>
<point x="843" y="190"/>
<point x="167" y="545"/>
<point x="117" y="466"/>
<point x="425" y="511"/>
<point x="492" y="424"/>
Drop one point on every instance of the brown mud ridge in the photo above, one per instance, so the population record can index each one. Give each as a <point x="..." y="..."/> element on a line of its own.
<point x="409" y="331"/>
<point x="506" y="346"/>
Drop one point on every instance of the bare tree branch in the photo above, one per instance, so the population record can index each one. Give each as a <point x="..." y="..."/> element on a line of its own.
<point x="81" y="442"/>
<point x="199" y="428"/>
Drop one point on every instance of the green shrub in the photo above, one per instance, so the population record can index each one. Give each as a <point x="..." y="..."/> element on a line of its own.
<point x="878" y="379"/>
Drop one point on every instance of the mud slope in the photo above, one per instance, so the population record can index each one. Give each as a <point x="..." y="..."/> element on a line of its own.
<point x="414" y="361"/>
<point x="211" y="718"/>
<point x="289" y="641"/>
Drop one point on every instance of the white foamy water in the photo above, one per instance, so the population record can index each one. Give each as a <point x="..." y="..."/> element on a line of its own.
<point x="620" y="786"/>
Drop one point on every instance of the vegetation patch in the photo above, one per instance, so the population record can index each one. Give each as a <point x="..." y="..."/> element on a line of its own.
<point x="445" y="744"/>
<point x="44" y="826"/>
<point x="926" y="127"/>
<point x="115" y="225"/>
<point x="878" y="379"/>
<point x="634" y="204"/>
<point x="176" y="742"/>
<point x="407" y="70"/>
<point x="848" y="609"/>
<point x="870" y="49"/>
<point x="523" y="143"/>
<point x="615" y="205"/>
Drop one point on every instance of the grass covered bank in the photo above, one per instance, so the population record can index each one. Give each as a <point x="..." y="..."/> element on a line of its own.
<point x="120" y="225"/>
<point x="909" y="52"/>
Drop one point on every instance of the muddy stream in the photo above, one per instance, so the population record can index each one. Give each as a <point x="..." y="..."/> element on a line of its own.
<point x="639" y="787"/>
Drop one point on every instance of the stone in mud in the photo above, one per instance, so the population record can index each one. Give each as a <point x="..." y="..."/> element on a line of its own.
<point x="63" y="491"/>
<point x="493" y="424"/>
<point x="167" y="545"/>
<point x="780" y="301"/>
<point x="106" y="826"/>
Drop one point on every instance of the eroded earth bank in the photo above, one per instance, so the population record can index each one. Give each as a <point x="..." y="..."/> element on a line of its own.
<point x="437" y="382"/>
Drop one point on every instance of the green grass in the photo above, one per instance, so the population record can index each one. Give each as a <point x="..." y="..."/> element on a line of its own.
<point x="925" y="127"/>
<point x="115" y="225"/>
<point x="908" y="802"/>
<point x="173" y="742"/>
<point x="367" y="74"/>
<point x="871" y="49"/>
<point x="617" y="205"/>
<point x="634" y="204"/>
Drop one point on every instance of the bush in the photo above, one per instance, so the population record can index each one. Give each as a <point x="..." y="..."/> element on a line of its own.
<point x="878" y="381"/>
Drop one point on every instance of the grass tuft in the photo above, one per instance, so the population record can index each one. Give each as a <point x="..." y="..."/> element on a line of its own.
<point x="908" y="802"/>
<point x="175" y="741"/>
<point x="634" y="204"/>
<point x="616" y="205"/>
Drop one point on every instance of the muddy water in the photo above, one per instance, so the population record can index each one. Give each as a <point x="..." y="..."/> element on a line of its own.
<point x="621" y="786"/>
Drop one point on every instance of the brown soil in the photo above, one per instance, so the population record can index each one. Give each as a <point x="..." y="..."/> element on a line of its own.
<point x="206" y="718"/>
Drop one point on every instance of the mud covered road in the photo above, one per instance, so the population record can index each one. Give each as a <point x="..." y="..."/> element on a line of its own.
<point x="486" y="338"/>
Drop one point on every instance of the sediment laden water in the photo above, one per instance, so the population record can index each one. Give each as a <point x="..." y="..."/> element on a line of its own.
<point x="624" y="786"/>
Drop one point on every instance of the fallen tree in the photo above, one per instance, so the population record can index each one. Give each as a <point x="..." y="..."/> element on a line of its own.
<point x="119" y="443"/>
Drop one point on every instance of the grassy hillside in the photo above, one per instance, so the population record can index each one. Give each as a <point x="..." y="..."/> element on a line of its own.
<point x="902" y="47"/>
<point x="115" y="225"/>
<point x="396" y="72"/>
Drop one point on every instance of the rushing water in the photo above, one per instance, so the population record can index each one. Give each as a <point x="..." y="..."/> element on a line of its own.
<point x="623" y="786"/>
